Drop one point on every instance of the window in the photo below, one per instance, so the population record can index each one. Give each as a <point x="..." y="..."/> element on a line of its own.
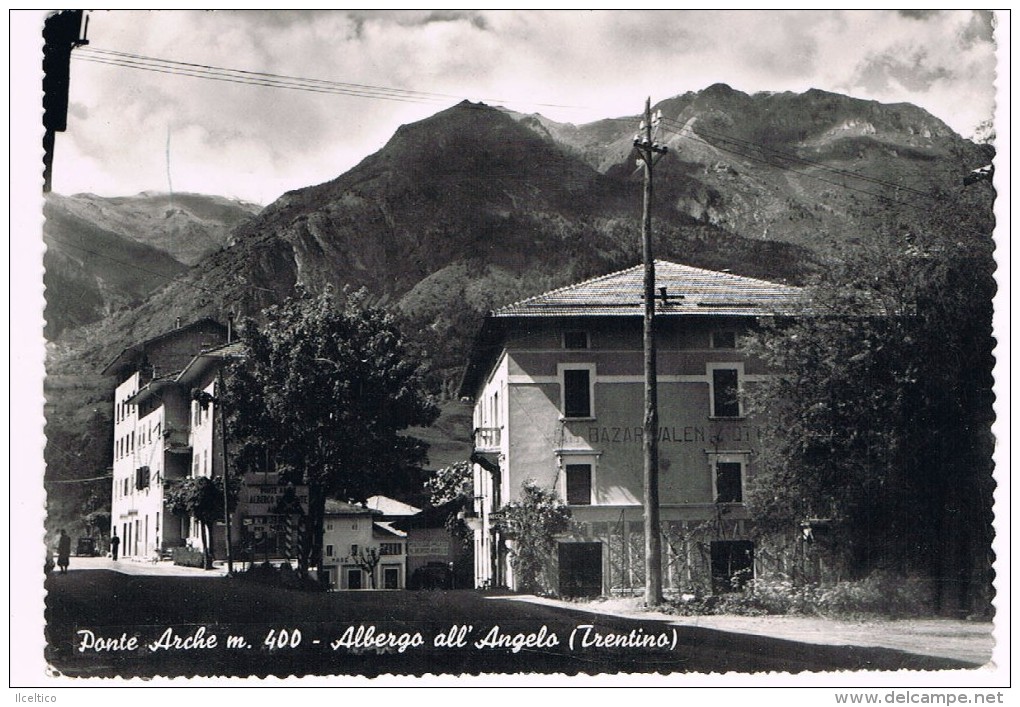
<point x="354" y="550"/>
<point x="578" y="471"/>
<point x="725" y="392"/>
<point x="575" y="340"/>
<point x="142" y="477"/>
<point x="728" y="471"/>
<point x="578" y="484"/>
<point x="391" y="578"/>
<point x="390" y="549"/>
<point x="577" y="385"/>
<point x="729" y="487"/>
<point x="724" y="339"/>
<point x="329" y="526"/>
<point x="329" y="551"/>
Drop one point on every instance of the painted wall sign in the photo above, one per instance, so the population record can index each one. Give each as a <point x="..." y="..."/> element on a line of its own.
<point x="420" y="548"/>
<point x="723" y="433"/>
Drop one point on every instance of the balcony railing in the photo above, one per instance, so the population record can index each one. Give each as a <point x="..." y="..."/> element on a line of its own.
<point x="487" y="439"/>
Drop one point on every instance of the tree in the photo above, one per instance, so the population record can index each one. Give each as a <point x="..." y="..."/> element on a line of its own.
<point x="532" y="523"/>
<point x="201" y="498"/>
<point x="96" y="515"/>
<point x="450" y="489"/>
<point x="326" y="388"/>
<point x="367" y="560"/>
<point x="880" y="419"/>
<point x="451" y="483"/>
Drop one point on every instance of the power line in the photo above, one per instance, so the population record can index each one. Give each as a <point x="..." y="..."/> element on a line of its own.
<point x="246" y="81"/>
<point x="79" y="481"/>
<point x="270" y="80"/>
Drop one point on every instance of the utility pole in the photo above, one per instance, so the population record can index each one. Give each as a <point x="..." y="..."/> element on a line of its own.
<point x="220" y="391"/>
<point x="62" y="32"/>
<point x="650" y="153"/>
<point x="204" y="400"/>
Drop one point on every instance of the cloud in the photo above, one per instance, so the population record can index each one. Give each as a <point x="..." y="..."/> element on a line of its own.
<point x="573" y="66"/>
<point x="919" y="14"/>
<point x="914" y="71"/>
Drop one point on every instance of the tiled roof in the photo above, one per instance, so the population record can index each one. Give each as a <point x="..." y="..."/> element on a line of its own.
<point x="391" y="506"/>
<point x="345" y="508"/>
<point x="236" y="349"/>
<point x="384" y="528"/>
<point x="208" y="359"/>
<point x="128" y="354"/>
<point x="689" y="291"/>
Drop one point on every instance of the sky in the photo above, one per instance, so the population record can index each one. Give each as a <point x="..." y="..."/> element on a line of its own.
<point x="132" y="130"/>
<point x="257" y="142"/>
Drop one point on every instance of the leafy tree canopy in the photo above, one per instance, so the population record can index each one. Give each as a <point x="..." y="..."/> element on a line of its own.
<point x="880" y="419"/>
<point x="449" y="484"/>
<point x="202" y="498"/>
<point x="532" y="522"/>
<point x="327" y="387"/>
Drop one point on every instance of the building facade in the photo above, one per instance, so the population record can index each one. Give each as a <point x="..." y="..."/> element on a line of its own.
<point x="154" y="440"/>
<point x="360" y="550"/>
<point x="558" y="386"/>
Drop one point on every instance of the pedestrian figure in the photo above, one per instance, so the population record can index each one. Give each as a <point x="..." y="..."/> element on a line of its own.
<point x="63" y="551"/>
<point x="114" y="544"/>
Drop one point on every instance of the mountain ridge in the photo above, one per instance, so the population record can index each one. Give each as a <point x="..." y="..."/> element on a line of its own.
<point x="475" y="207"/>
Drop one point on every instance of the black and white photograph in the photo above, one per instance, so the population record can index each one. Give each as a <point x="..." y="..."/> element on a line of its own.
<point x="511" y="348"/>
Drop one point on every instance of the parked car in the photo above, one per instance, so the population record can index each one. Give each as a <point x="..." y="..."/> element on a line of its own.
<point x="87" y="548"/>
<point x="434" y="575"/>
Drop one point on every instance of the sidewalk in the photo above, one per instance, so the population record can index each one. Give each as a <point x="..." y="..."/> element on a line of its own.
<point x="971" y="641"/>
<point x="163" y="568"/>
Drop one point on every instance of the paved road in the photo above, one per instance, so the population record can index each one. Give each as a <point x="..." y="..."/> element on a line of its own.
<point x="148" y="625"/>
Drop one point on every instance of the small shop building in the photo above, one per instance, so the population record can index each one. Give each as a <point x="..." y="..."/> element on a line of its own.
<point x="362" y="550"/>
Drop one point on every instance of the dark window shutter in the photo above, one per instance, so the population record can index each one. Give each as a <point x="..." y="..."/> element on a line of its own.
<point x="579" y="484"/>
<point x="724" y="386"/>
<point x="576" y="393"/>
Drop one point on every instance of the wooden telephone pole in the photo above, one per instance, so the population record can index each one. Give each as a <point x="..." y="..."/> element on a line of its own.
<point x="650" y="153"/>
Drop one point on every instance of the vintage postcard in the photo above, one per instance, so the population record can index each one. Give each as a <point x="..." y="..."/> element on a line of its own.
<point x="511" y="348"/>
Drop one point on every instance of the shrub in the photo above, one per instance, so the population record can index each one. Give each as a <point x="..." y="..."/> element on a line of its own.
<point x="187" y="557"/>
<point x="881" y="594"/>
<point x="283" y="576"/>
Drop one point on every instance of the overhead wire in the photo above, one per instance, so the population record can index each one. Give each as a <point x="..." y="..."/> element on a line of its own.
<point x="212" y="76"/>
<point x="731" y="144"/>
<point x="271" y="80"/>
